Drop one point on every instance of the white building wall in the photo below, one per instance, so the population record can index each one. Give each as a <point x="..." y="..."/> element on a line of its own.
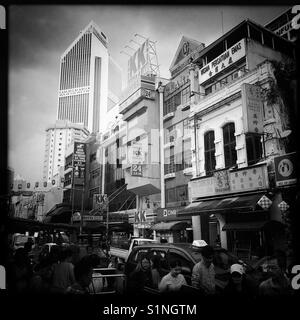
<point x="99" y="50"/>
<point x="62" y="134"/>
<point x="232" y="112"/>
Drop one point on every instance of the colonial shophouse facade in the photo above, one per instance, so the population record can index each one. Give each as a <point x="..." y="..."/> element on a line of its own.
<point x="238" y="130"/>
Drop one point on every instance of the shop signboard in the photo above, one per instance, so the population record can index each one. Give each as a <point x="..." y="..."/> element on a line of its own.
<point x="100" y="201"/>
<point x="164" y="214"/>
<point x="285" y="173"/>
<point x="224" y="60"/>
<point x="252" y="108"/>
<point x="221" y="181"/>
<point x="241" y="180"/>
<point x="284" y="29"/>
<point x="136" y="170"/>
<point x="87" y="218"/>
<point x="249" y="179"/>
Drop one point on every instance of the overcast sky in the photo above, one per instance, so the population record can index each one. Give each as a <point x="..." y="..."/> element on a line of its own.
<point x="39" y="34"/>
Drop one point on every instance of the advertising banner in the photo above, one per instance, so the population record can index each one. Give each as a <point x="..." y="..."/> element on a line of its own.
<point x="252" y="108"/>
<point x="79" y="160"/>
<point x="285" y="172"/>
<point x="224" y="60"/>
<point x="136" y="155"/>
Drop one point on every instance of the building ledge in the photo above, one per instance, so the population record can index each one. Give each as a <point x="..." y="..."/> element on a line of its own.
<point x="168" y="116"/>
<point x="170" y="175"/>
<point x="187" y="136"/>
<point x="185" y="106"/>
<point x="188" y="171"/>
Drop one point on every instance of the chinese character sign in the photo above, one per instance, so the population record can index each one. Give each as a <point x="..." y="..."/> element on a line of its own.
<point x="221" y="181"/>
<point x="252" y="108"/>
<point x="223" y="61"/>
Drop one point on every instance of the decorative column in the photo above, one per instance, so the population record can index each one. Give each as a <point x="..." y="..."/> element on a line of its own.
<point x="223" y="234"/>
<point x="135" y="228"/>
<point x="196" y="223"/>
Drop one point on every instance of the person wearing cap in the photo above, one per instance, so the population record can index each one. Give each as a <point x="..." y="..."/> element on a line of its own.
<point x="203" y="275"/>
<point x="238" y="283"/>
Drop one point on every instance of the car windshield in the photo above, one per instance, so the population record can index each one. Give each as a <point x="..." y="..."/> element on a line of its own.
<point x="194" y="252"/>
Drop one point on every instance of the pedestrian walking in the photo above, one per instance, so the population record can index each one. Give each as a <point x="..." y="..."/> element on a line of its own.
<point x="203" y="275"/>
<point x="174" y="280"/>
<point x="63" y="272"/>
<point x="20" y="272"/>
<point x="83" y="272"/>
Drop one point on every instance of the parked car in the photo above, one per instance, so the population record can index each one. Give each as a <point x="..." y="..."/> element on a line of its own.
<point x="121" y="249"/>
<point x="19" y="240"/>
<point x="189" y="256"/>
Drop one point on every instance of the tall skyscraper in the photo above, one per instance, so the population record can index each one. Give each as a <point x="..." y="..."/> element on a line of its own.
<point x="90" y="83"/>
<point x="83" y="83"/>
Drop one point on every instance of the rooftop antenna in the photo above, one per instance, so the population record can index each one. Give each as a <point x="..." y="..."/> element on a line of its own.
<point x="129" y="47"/>
<point x="138" y="35"/>
<point x="135" y="42"/>
<point x="125" y="53"/>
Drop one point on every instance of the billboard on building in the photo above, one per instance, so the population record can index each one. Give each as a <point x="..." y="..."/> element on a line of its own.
<point x="224" y="60"/>
<point x="252" y="105"/>
<point x="79" y="161"/>
<point x="138" y="64"/>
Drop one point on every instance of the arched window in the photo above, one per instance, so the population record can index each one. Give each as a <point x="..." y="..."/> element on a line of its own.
<point x="209" y="151"/>
<point x="229" y="145"/>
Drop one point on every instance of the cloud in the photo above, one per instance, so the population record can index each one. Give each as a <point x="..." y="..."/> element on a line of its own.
<point x="27" y="157"/>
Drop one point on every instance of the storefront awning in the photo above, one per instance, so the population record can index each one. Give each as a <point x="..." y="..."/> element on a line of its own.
<point x="238" y="203"/>
<point x="253" y="225"/>
<point x="244" y="226"/>
<point x="172" y="225"/>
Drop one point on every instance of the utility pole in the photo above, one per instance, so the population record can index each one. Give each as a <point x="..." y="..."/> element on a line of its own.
<point x="72" y="189"/>
<point x="82" y="208"/>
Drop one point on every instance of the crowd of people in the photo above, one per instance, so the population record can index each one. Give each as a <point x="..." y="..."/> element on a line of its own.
<point x="65" y="270"/>
<point x="62" y="270"/>
<point x="203" y="280"/>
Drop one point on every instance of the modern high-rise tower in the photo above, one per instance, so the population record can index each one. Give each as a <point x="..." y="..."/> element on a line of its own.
<point x="83" y="83"/>
<point x="90" y="83"/>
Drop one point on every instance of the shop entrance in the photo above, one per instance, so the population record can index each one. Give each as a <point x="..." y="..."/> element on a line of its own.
<point x="245" y="244"/>
<point x="214" y="231"/>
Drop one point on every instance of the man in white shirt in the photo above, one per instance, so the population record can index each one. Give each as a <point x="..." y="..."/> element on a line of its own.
<point x="173" y="281"/>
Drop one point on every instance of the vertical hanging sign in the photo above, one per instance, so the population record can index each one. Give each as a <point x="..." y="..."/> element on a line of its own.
<point x="79" y="160"/>
<point x="252" y="108"/>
